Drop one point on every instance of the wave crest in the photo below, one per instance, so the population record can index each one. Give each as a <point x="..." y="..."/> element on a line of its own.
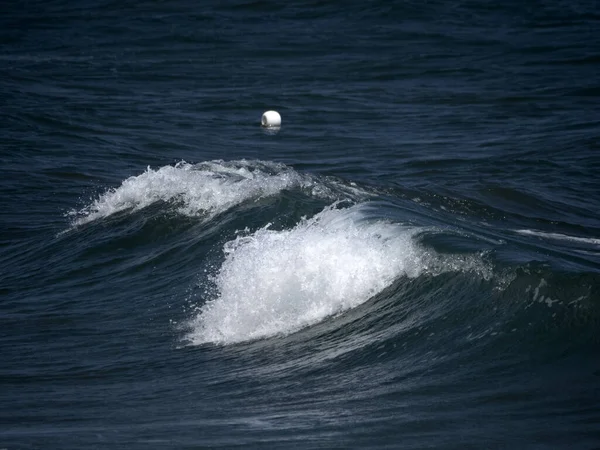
<point x="209" y="188"/>
<point x="278" y="282"/>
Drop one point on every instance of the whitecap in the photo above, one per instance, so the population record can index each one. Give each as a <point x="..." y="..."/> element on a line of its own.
<point x="276" y="282"/>
<point x="205" y="189"/>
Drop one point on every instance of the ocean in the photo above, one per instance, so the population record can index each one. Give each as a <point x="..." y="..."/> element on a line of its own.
<point x="412" y="260"/>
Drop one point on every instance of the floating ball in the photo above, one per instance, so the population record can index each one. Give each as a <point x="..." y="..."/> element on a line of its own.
<point x="270" y="119"/>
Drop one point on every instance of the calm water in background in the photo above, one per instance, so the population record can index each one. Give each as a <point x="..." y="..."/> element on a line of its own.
<point x="412" y="261"/>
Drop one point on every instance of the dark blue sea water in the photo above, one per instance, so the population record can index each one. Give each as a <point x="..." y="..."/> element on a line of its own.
<point x="411" y="261"/>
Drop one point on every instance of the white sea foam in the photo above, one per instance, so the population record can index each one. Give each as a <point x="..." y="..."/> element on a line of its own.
<point x="205" y="189"/>
<point x="277" y="282"/>
<point x="559" y="236"/>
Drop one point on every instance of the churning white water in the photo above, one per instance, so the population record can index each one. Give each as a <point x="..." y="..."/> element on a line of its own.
<point x="277" y="282"/>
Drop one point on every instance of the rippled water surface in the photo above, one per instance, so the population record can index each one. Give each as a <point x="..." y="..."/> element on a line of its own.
<point x="411" y="261"/>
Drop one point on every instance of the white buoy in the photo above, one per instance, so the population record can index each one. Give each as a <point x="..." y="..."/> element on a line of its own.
<point x="270" y="119"/>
